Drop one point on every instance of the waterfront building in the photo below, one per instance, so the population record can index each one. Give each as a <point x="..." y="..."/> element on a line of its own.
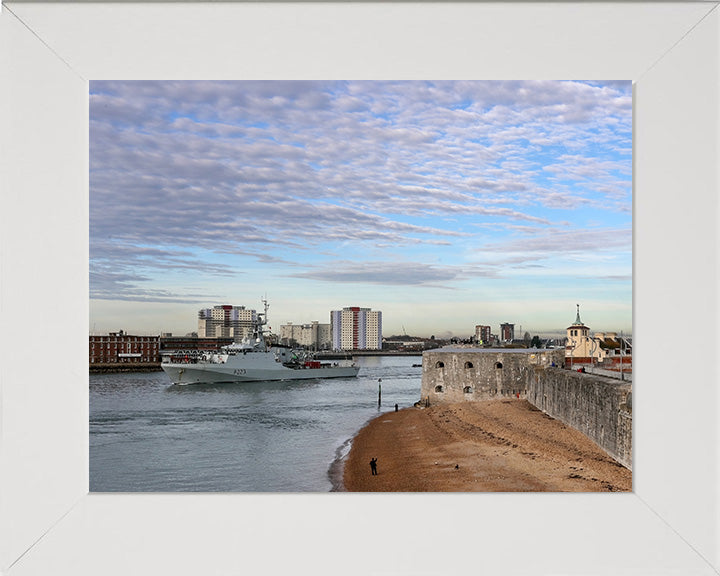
<point x="579" y="344"/>
<point x="226" y="321"/>
<point x="314" y="336"/>
<point x="602" y="347"/>
<point x="507" y="332"/>
<point x="121" y="348"/>
<point x="124" y="350"/>
<point x="613" y="345"/>
<point x="483" y="334"/>
<point x="355" y="328"/>
<point x="191" y="344"/>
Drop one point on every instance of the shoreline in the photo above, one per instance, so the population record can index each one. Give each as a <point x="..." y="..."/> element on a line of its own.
<point x="337" y="466"/>
<point x="492" y="446"/>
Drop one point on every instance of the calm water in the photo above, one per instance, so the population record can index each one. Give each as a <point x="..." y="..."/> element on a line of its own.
<point x="147" y="435"/>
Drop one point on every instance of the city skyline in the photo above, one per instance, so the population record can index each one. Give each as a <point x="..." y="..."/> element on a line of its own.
<point x="442" y="204"/>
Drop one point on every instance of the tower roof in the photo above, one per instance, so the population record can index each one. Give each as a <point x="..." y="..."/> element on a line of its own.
<point x="578" y="322"/>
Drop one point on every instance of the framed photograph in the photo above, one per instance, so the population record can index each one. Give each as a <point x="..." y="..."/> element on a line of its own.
<point x="50" y="523"/>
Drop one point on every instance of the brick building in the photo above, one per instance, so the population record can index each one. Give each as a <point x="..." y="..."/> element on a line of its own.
<point x="191" y="344"/>
<point x="125" y="350"/>
<point x="121" y="348"/>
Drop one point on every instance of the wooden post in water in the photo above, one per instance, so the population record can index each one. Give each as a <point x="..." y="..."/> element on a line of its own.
<point x="379" y="392"/>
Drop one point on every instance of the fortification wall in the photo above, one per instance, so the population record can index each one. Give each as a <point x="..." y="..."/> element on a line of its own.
<point x="597" y="406"/>
<point x="471" y="374"/>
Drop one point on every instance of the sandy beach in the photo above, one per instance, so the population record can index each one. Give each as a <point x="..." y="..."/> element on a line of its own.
<point x="494" y="446"/>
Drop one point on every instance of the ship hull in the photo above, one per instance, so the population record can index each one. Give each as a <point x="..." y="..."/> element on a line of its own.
<point x="220" y="373"/>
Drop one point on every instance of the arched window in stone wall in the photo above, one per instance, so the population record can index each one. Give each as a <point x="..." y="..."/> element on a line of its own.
<point x="440" y="364"/>
<point x="438" y="388"/>
<point x="468" y="365"/>
<point x="498" y="365"/>
<point x="467" y="390"/>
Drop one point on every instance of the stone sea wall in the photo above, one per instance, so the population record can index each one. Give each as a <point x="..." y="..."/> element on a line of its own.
<point x="598" y="406"/>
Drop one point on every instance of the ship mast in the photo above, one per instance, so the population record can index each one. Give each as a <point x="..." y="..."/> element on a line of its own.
<point x="262" y="321"/>
<point x="266" y="306"/>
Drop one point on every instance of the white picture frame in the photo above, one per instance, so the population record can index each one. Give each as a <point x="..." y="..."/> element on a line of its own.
<point x="50" y="524"/>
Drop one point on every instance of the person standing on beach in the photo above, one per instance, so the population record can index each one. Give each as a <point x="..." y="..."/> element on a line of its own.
<point x="373" y="466"/>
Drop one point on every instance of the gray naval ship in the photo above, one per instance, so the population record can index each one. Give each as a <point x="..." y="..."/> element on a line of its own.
<point x="252" y="360"/>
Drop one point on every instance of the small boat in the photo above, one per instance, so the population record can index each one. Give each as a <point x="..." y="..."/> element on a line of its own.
<point x="252" y="360"/>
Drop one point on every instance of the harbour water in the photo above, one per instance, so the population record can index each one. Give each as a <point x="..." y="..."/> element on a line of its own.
<point x="147" y="435"/>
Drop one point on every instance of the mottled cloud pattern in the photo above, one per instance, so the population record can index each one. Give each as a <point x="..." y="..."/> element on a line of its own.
<point x="418" y="184"/>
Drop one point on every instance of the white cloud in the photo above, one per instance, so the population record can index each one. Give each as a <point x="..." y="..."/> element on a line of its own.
<point x="205" y="177"/>
<point x="391" y="273"/>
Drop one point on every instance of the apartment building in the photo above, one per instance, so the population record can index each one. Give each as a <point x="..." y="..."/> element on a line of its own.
<point x="355" y="328"/>
<point x="313" y="336"/>
<point x="601" y="346"/>
<point x="507" y="332"/>
<point x="226" y="321"/>
<point x="483" y="334"/>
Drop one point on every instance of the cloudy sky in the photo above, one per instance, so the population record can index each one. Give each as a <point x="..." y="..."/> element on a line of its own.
<point x="442" y="204"/>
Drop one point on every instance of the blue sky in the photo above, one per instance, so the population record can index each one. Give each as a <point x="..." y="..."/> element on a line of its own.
<point x="443" y="204"/>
